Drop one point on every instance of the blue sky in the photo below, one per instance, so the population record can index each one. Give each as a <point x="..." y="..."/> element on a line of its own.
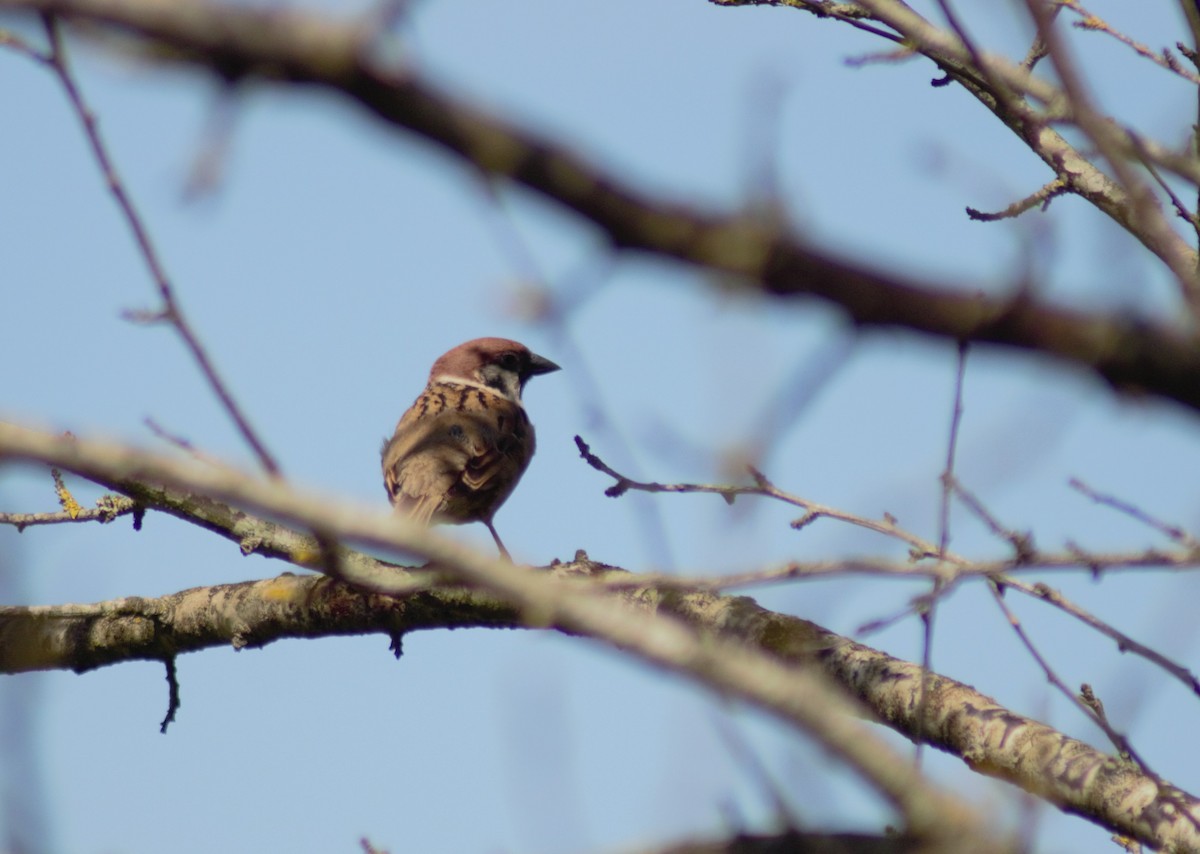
<point x="337" y="258"/>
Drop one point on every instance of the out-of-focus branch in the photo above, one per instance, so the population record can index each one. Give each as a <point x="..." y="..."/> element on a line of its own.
<point x="171" y="311"/>
<point x="1089" y="20"/>
<point x="305" y="48"/>
<point x="728" y="643"/>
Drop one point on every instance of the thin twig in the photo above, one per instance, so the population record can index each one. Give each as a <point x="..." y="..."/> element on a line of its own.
<point x="171" y="311"/>
<point x="181" y="442"/>
<point x="1111" y="142"/>
<point x="106" y="510"/>
<point x="13" y="41"/>
<point x="1070" y="559"/>
<point x="947" y="477"/>
<point x="1118" y="739"/>
<point x="1041" y="198"/>
<point x="1021" y="541"/>
<point x="1088" y="20"/>
<point x="1181" y="210"/>
<point x="1124" y="643"/>
<point x="919" y="548"/>
<point x="1026" y="556"/>
<point x="210" y="157"/>
<point x="881" y="57"/>
<point x="1172" y="532"/>
<point x="847" y="13"/>
<point x="918" y="606"/>
<point x="999" y="91"/>
<point x="928" y="608"/>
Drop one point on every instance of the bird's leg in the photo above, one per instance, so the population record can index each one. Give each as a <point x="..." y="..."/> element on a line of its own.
<point x="503" y="551"/>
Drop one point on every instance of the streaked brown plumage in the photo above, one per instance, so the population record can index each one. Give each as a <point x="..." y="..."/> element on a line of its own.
<point x="460" y="449"/>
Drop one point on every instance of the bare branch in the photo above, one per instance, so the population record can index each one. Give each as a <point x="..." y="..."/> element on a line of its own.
<point x="949" y="568"/>
<point x="926" y="606"/>
<point x="1144" y="215"/>
<point x="1089" y="20"/>
<point x="1094" y="711"/>
<point x="1127" y="352"/>
<point x="948" y="479"/>
<point x="171" y="311"/>
<point x="108" y="508"/>
<point x="1124" y="643"/>
<point x="1071" y="559"/>
<point x="918" y="548"/>
<point x="14" y="42"/>
<point x="1173" y="532"/>
<point x="996" y="82"/>
<point x="1021" y="541"/>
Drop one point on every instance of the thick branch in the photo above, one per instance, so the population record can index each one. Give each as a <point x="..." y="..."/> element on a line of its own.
<point x="240" y="42"/>
<point x="726" y="654"/>
<point x="248" y="614"/>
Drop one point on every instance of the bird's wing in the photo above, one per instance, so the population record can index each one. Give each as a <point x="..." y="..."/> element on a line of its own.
<point x="457" y="454"/>
<point x="420" y="467"/>
<point x="435" y="464"/>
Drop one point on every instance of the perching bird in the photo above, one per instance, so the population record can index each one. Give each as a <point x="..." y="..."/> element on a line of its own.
<point x="460" y="449"/>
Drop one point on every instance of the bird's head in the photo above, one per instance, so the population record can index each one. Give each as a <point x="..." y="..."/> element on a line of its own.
<point x="498" y="363"/>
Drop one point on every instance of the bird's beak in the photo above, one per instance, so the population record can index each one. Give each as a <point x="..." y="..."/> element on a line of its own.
<point x="541" y="365"/>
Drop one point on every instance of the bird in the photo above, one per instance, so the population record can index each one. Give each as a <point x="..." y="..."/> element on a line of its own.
<point x="459" y="450"/>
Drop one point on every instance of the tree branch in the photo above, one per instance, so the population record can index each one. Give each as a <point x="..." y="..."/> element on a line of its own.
<point x="651" y="631"/>
<point x="171" y="311"/>
<point x="728" y="643"/>
<point x="989" y="77"/>
<point x="235" y="42"/>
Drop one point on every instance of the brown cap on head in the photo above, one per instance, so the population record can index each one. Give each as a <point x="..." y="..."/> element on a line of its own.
<point x="466" y="359"/>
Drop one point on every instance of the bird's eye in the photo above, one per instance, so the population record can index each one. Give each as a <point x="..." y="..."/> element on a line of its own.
<point x="509" y="361"/>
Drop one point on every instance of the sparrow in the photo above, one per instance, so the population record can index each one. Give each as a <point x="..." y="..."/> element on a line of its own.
<point x="460" y="449"/>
